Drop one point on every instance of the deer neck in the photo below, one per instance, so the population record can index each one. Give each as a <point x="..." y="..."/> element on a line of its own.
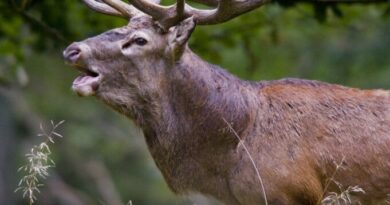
<point x="198" y="101"/>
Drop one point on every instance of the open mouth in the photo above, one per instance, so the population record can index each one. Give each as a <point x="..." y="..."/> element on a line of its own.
<point x="87" y="83"/>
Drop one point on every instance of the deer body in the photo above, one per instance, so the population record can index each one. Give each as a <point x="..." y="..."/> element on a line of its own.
<point x="192" y="113"/>
<point x="296" y="130"/>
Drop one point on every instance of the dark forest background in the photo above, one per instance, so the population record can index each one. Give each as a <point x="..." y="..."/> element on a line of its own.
<point x="102" y="158"/>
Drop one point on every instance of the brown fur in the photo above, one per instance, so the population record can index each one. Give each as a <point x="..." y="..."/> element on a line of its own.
<point x="296" y="130"/>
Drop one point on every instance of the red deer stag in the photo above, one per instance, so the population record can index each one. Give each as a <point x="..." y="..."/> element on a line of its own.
<point x="192" y="113"/>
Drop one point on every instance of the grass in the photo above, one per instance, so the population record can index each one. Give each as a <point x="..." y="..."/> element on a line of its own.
<point x="38" y="164"/>
<point x="343" y="197"/>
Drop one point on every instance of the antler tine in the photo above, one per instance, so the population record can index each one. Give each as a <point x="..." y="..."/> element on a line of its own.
<point x="155" y="10"/>
<point x="102" y="8"/>
<point x="122" y="7"/>
<point x="167" y="16"/>
<point x="226" y="10"/>
<point x="113" y="8"/>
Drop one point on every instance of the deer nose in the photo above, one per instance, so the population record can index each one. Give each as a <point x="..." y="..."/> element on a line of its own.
<point x="72" y="53"/>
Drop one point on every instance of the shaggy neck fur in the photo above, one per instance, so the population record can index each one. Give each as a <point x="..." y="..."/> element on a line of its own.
<point x="184" y="123"/>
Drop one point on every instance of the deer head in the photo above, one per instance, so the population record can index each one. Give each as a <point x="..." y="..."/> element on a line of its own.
<point x="146" y="71"/>
<point x="127" y="61"/>
<point x="126" y="65"/>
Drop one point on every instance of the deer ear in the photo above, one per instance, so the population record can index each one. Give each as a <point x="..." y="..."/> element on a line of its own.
<point x="179" y="36"/>
<point x="182" y="32"/>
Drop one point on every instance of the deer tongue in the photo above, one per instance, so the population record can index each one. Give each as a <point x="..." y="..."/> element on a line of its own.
<point x="85" y="85"/>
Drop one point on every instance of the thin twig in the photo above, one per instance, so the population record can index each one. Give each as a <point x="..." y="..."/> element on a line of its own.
<point x="251" y="159"/>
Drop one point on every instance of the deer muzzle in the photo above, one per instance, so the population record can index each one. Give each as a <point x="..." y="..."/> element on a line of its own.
<point x="87" y="83"/>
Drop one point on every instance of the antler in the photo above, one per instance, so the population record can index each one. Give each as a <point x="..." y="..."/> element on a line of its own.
<point x="171" y="15"/>
<point x="114" y="7"/>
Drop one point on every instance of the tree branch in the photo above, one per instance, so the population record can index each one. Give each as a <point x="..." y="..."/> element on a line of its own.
<point x="103" y="180"/>
<point x="63" y="192"/>
<point x="29" y="18"/>
<point x="49" y="30"/>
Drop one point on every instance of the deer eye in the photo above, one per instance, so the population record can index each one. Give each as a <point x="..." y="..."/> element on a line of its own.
<point x="140" y="41"/>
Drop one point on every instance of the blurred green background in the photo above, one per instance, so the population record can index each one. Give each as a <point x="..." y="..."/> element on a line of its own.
<point x="102" y="158"/>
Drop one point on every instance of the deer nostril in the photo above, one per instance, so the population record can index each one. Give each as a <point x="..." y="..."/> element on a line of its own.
<point x="72" y="54"/>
